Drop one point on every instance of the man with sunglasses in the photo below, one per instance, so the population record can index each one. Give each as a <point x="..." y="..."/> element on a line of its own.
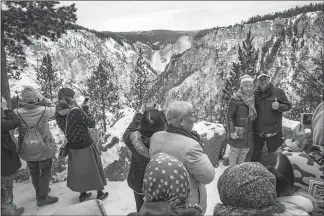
<point x="270" y="103"/>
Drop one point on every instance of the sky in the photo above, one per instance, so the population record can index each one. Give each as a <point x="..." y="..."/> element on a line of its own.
<point x="123" y="16"/>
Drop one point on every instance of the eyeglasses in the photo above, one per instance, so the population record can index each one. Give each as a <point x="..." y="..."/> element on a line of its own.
<point x="263" y="78"/>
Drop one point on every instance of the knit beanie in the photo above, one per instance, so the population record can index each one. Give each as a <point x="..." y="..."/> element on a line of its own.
<point x="29" y="95"/>
<point x="247" y="185"/>
<point x="246" y="79"/>
<point x="318" y="125"/>
<point x="65" y="92"/>
<point x="166" y="179"/>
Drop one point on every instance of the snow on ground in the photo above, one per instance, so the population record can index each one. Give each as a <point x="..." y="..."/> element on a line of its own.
<point x="292" y="124"/>
<point x="119" y="202"/>
<point x="289" y="123"/>
<point x="208" y="128"/>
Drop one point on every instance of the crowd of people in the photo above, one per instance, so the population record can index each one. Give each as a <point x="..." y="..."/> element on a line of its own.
<point x="169" y="168"/>
<point x="254" y="184"/>
<point x="37" y="147"/>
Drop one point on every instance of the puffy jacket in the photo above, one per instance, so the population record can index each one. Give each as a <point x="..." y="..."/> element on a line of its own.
<point x="10" y="161"/>
<point x="237" y="115"/>
<point x="31" y="117"/>
<point x="140" y="154"/>
<point x="268" y="119"/>
<point x="189" y="152"/>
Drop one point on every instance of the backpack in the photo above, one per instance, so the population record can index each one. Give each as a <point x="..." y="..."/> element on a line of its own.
<point x="32" y="147"/>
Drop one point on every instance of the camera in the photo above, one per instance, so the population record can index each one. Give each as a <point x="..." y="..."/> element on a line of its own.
<point x="85" y="101"/>
<point x="306" y="119"/>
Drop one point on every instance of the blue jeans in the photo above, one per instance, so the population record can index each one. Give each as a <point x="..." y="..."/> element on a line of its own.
<point x="237" y="155"/>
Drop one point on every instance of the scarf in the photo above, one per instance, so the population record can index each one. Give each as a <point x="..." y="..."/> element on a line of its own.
<point x="193" y="134"/>
<point x="249" y="101"/>
<point x="167" y="180"/>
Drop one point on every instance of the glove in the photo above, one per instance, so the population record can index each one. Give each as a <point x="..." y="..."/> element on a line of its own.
<point x="9" y="113"/>
<point x="85" y="108"/>
<point x="233" y="136"/>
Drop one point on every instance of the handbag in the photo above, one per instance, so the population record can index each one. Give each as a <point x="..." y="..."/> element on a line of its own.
<point x="63" y="150"/>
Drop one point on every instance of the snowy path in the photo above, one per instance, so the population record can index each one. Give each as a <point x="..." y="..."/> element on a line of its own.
<point x="119" y="202"/>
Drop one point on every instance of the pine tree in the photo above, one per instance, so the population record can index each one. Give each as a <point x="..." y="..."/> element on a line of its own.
<point x="248" y="56"/>
<point x="103" y="91"/>
<point x="140" y="86"/>
<point x="231" y="85"/>
<point x="47" y="78"/>
<point x="309" y="83"/>
<point x="19" y="21"/>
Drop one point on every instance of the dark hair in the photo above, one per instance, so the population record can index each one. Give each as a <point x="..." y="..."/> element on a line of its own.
<point x="279" y="165"/>
<point x="151" y="122"/>
<point x="64" y="103"/>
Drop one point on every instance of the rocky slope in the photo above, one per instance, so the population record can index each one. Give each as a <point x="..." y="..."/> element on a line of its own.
<point x="197" y="75"/>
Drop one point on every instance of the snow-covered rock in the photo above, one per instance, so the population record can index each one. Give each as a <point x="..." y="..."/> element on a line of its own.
<point x="214" y="137"/>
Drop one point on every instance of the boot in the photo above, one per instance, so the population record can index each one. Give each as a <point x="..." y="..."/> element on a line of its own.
<point x="19" y="211"/>
<point x="48" y="191"/>
<point x="46" y="200"/>
<point x="84" y="196"/>
<point x="102" y="196"/>
<point x="12" y="211"/>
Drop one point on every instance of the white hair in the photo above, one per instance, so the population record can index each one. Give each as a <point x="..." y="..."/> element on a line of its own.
<point x="178" y="109"/>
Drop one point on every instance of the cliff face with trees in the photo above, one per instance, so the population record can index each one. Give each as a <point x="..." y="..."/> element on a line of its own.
<point x="286" y="45"/>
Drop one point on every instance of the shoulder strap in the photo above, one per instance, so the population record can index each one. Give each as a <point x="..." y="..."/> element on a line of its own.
<point x="22" y="119"/>
<point x="26" y="122"/>
<point x="41" y="117"/>
<point x="67" y="117"/>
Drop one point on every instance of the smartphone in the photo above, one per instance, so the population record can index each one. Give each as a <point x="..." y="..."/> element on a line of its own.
<point x="150" y="105"/>
<point x="306" y="119"/>
<point x="85" y="101"/>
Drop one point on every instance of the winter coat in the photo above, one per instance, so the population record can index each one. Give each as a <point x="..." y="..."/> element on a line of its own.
<point x="268" y="119"/>
<point x="305" y="168"/>
<point x="237" y="115"/>
<point x="163" y="208"/>
<point x="31" y="115"/>
<point x="140" y="154"/>
<point x="10" y="161"/>
<point x="318" y="125"/>
<point x="77" y="132"/>
<point x="189" y="152"/>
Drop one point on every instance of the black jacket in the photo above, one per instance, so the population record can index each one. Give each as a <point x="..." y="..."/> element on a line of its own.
<point x="237" y="115"/>
<point x="140" y="155"/>
<point x="268" y="119"/>
<point x="77" y="132"/>
<point x="10" y="161"/>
